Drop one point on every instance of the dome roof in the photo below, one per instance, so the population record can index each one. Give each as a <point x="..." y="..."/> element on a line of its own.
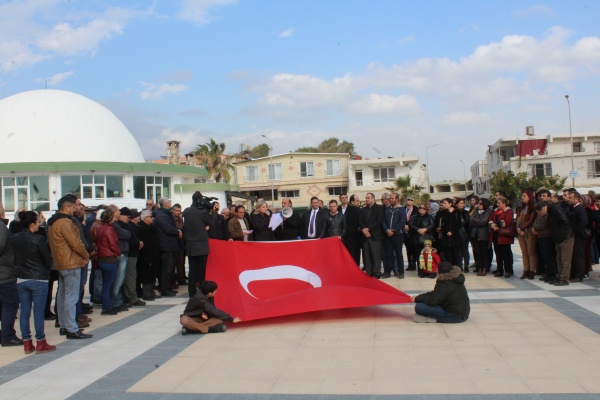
<point x="55" y="126"/>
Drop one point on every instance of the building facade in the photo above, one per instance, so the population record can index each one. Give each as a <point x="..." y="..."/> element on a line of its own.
<point x="298" y="176"/>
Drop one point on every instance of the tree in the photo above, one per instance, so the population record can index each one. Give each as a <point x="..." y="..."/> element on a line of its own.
<point x="513" y="184"/>
<point x="331" y="145"/>
<point x="262" y="150"/>
<point x="216" y="162"/>
<point x="402" y="186"/>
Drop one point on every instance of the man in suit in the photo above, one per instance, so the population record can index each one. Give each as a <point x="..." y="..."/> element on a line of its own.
<point x="410" y="210"/>
<point x="313" y="221"/>
<point x="370" y="223"/>
<point x="195" y="236"/>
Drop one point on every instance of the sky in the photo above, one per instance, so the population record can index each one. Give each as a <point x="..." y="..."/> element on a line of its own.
<point x="391" y="76"/>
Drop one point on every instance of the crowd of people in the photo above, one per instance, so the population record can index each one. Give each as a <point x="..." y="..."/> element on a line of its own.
<point x="136" y="255"/>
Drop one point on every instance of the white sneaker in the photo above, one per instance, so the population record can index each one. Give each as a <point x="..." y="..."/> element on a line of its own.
<point x="423" y="319"/>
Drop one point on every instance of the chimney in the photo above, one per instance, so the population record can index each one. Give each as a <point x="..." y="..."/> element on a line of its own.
<point x="173" y="152"/>
<point x="190" y="159"/>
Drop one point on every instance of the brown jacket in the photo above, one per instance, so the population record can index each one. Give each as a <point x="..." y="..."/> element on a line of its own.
<point x="235" y="229"/>
<point x="68" y="251"/>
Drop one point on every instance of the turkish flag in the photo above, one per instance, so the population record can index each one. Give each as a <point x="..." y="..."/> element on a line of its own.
<point x="268" y="279"/>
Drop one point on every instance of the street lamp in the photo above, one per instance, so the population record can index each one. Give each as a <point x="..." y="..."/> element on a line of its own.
<point x="465" y="178"/>
<point x="427" y="160"/>
<point x="571" y="136"/>
<point x="272" y="166"/>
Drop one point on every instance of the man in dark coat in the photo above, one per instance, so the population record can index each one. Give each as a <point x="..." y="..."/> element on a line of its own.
<point x="168" y="244"/>
<point x="448" y="302"/>
<point x="290" y="227"/>
<point x="195" y="222"/>
<point x="148" y="255"/>
<point x="352" y="236"/>
<point x="370" y="223"/>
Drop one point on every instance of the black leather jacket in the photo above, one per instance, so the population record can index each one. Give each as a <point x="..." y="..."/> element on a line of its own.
<point x="418" y="221"/>
<point x="32" y="256"/>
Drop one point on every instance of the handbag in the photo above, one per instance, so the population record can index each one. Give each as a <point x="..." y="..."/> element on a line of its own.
<point x="507" y="231"/>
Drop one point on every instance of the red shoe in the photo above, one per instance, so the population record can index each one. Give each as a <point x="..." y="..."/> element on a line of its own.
<point x="43" y="347"/>
<point x="28" y="346"/>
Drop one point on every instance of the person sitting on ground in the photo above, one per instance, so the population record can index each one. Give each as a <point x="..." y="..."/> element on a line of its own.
<point x="448" y="302"/>
<point x="201" y="315"/>
<point x="428" y="261"/>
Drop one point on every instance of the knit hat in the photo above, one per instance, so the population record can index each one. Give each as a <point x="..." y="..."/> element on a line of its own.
<point x="427" y="242"/>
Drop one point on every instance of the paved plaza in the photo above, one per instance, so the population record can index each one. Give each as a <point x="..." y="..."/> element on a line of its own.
<point x="523" y="340"/>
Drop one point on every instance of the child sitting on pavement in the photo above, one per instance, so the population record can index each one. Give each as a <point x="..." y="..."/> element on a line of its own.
<point x="448" y="302"/>
<point x="428" y="261"/>
<point x="201" y="315"/>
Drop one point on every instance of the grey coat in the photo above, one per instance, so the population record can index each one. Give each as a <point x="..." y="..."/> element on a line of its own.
<point x="480" y="229"/>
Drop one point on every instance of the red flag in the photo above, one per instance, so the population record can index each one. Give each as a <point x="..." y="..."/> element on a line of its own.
<point x="268" y="279"/>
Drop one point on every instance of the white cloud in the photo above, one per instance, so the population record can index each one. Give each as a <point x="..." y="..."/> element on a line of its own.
<point x="157" y="92"/>
<point x="287" y="33"/>
<point x="198" y="10"/>
<point x="373" y="103"/>
<point x="534" y="10"/>
<point x="466" y="118"/>
<point x="406" y="39"/>
<point x="56" y="78"/>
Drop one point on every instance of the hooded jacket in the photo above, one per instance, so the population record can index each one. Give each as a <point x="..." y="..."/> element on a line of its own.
<point x="68" y="251"/>
<point x="450" y="293"/>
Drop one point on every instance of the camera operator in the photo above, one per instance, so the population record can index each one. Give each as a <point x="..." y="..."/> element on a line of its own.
<point x="196" y="222"/>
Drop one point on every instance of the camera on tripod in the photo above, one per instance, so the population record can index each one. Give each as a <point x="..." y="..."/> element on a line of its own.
<point x="203" y="202"/>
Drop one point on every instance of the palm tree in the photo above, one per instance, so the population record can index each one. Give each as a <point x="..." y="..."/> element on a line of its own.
<point x="404" y="189"/>
<point x="216" y="162"/>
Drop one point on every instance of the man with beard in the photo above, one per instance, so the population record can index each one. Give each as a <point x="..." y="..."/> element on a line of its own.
<point x="353" y="236"/>
<point x="370" y="223"/>
<point x="290" y="227"/>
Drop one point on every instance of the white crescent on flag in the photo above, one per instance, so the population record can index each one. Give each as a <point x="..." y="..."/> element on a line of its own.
<point x="278" y="272"/>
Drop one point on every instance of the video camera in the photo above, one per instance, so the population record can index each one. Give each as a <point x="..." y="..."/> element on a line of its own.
<point x="203" y="202"/>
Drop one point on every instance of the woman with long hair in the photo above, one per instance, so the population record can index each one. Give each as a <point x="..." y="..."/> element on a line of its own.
<point x="502" y="237"/>
<point x="107" y="247"/>
<point x="448" y="226"/>
<point x="480" y="232"/>
<point x="527" y="240"/>
<point x="259" y="221"/>
<point x="421" y="226"/>
<point x="33" y="260"/>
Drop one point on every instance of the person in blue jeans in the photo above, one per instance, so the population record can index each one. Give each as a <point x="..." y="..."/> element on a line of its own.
<point x="448" y="302"/>
<point x="33" y="260"/>
<point x="108" y="250"/>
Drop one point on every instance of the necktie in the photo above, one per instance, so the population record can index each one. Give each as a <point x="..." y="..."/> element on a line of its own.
<point x="408" y="213"/>
<point x="311" y="226"/>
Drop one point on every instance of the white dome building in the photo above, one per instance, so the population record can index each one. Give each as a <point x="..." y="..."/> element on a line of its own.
<point x="56" y="142"/>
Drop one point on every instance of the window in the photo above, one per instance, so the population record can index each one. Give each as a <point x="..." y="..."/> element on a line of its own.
<point x="385" y="174"/>
<point x="358" y="176"/>
<point x="593" y="169"/>
<point x="576" y="147"/>
<point x="151" y="187"/>
<point x="251" y="174"/>
<point x="596" y="147"/>
<point x="337" y="190"/>
<point x="93" y="186"/>
<point x="333" y="167"/>
<point x="289" y="193"/>
<point x="29" y="192"/>
<point x="540" y="169"/>
<point x="307" y="169"/>
<point x="274" y="171"/>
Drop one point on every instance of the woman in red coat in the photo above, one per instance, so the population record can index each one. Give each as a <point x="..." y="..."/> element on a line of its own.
<point x="503" y="236"/>
<point x="107" y="246"/>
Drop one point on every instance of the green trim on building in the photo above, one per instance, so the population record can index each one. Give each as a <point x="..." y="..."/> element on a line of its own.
<point x="98" y="166"/>
<point x="207" y="187"/>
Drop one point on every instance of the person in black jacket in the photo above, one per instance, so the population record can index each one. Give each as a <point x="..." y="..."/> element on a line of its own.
<point x="168" y="243"/>
<point x="9" y="297"/>
<point x="370" y="222"/>
<point x="196" y="219"/>
<point x="353" y="237"/>
<point x="200" y="305"/>
<point x="129" y="285"/>
<point x="259" y="222"/>
<point x="394" y="225"/>
<point x="562" y="234"/>
<point x="33" y="260"/>
<point x="448" y="302"/>
<point x="148" y="255"/>
<point x="336" y="224"/>
<point x="289" y="229"/>
<point x="579" y="221"/>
